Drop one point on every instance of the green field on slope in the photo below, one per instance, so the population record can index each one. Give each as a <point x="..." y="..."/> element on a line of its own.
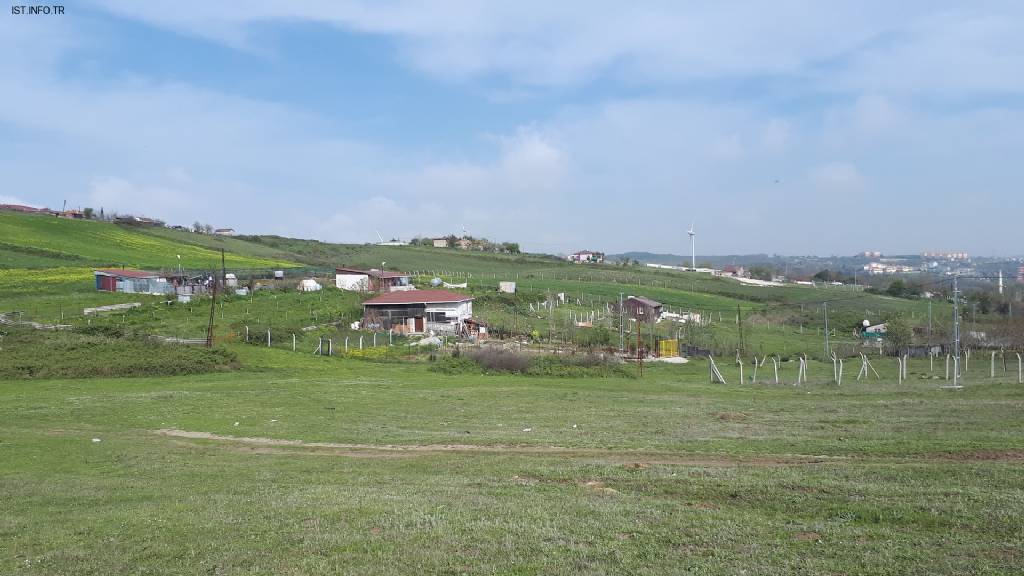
<point x="31" y="241"/>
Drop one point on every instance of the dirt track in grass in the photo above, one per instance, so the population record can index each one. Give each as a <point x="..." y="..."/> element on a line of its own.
<point x="631" y="459"/>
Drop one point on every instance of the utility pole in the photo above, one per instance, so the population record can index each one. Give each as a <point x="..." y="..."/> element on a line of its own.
<point x="620" y="324"/>
<point x="739" y="322"/>
<point x="639" y="356"/>
<point x="956" y="332"/>
<point x="929" y="322"/>
<point x="827" y="349"/>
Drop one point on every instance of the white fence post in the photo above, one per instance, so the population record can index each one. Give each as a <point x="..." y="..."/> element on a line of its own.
<point x="293" y="342"/>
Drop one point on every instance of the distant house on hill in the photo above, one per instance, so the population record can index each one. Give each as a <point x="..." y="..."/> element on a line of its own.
<point x="586" y="257"/>
<point x="735" y="271"/>
<point x="224" y="231"/>
<point x="440" y="242"/>
<point x="463" y="243"/>
<point x="132" y="281"/>
<point x="27" y="209"/>
<point x="137" y="221"/>
<point x="642" y="309"/>
<point x="72" y="214"/>
<point x="419" y="311"/>
<point x="373" y="280"/>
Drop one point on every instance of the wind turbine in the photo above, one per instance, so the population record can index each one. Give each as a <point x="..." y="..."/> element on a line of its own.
<point x="693" y="251"/>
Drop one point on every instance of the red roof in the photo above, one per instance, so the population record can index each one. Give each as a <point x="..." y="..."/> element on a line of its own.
<point x="128" y="273"/>
<point x="417" y="297"/>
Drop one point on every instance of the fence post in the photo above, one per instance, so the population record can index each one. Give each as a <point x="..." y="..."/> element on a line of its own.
<point x="374" y="339"/>
<point x="246" y="333"/>
<point x="346" y="344"/>
<point x="330" y="347"/>
<point x="293" y="342"/>
<point x="992" y="368"/>
<point x="360" y="341"/>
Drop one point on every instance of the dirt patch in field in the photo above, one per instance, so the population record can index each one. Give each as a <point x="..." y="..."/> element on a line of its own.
<point x="731" y="416"/>
<point x="807" y="536"/>
<point x="631" y="459"/>
<point x="1009" y="455"/>
<point x="598" y="487"/>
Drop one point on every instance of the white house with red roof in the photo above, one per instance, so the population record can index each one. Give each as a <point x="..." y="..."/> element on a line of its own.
<point x="418" y="311"/>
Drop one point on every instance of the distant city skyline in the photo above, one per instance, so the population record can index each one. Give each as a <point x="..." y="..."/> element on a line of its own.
<point x="789" y="128"/>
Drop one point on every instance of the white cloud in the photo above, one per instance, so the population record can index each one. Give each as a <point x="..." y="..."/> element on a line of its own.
<point x="909" y="46"/>
<point x="753" y="173"/>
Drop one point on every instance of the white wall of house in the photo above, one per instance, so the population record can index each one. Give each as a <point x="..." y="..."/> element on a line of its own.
<point x="352" y="282"/>
<point x="455" y="311"/>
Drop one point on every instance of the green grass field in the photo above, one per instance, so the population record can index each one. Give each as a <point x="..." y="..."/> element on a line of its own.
<point x="249" y="459"/>
<point x="305" y="465"/>
<point x="30" y="241"/>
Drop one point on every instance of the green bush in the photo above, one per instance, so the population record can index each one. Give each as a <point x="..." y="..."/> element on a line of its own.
<point x="492" y="361"/>
<point x="96" y="351"/>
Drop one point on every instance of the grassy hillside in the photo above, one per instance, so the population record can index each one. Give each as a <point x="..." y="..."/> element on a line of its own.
<point x="772" y="320"/>
<point x="30" y="241"/>
<point x="308" y="465"/>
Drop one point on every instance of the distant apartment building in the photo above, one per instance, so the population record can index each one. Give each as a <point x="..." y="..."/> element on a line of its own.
<point x="871" y="254"/>
<point x="946" y="255"/>
<point x="586" y="257"/>
<point x="1020" y="274"/>
<point x="888" y="268"/>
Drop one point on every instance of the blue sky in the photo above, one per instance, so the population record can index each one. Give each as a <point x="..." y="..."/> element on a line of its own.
<point x="784" y="127"/>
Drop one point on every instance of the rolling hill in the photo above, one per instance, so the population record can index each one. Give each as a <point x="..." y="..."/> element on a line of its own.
<point x="31" y="241"/>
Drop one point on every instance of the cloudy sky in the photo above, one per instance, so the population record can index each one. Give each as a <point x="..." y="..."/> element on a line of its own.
<point x="781" y="127"/>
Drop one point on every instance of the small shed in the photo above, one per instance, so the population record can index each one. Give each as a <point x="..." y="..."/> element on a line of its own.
<point x="373" y="280"/>
<point x="132" y="281"/>
<point x="643" y="309"/>
<point x="309" y="285"/>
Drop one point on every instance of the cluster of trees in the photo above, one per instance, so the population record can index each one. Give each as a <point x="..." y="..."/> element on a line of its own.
<point x="199" y="228"/>
<point x="827" y="275"/>
<point x="899" y="288"/>
<point x="471" y="243"/>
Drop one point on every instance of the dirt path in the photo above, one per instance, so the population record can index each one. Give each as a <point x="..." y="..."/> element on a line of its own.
<point x="633" y="458"/>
